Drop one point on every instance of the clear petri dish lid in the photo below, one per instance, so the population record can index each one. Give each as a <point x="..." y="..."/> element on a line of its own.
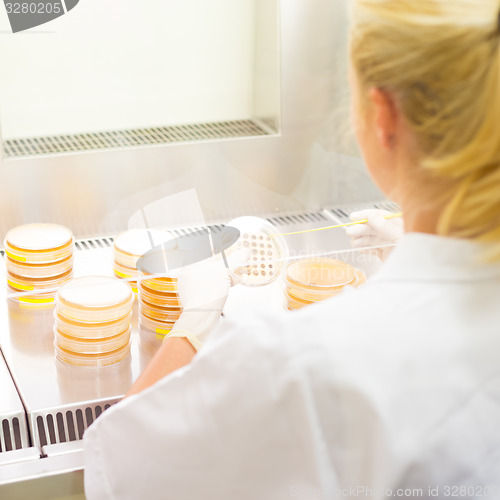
<point x="39" y="270"/>
<point x="94" y="299"/>
<point x="158" y="327"/>
<point x="23" y="284"/>
<point x="130" y="245"/>
<point x="161" y="299"/>
<point x="267" y="251"/>
<point x="320" y="274"/>
<point x="91" y="360"/>
<point x="86" y="330"/>
<point x="159" y="313"/>
<point x="91" y="346"/>
<point x="36" y="243"/>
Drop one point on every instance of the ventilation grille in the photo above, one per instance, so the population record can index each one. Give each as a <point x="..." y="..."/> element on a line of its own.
<point x="299" y="218"/>
<point x="343" y="213"/>
<point x="66" y="425"/>
<point x="92" y="243"/>
<point x="104" y="242"/>
<point x="11" y="435"/>
<point x="15" y="148"/>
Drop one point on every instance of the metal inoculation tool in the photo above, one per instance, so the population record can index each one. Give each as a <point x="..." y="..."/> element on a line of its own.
<point x="267" y="251"/>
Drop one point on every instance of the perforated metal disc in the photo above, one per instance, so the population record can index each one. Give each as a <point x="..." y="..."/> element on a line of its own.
<point x="267" y="251"/>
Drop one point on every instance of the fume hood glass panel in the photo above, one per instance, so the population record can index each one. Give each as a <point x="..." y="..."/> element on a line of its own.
<point x="134" y="73"/>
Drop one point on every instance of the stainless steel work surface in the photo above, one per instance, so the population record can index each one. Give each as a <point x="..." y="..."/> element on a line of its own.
<point x="10" y="404"/>
<point x="13" y="430"/>
<point x="63" y="400"/>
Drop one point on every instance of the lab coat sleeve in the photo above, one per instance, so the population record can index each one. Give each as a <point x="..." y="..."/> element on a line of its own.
<point x="232" y="424"/>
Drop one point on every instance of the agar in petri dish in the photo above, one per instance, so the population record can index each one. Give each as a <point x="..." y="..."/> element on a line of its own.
<point x="39" y="243"/>
<point x="315" y="279"/>
<point x="159" y="327"/>
<point x="39" y="270"/>
<point x="160" y="313"/>
<point x="20" y="283"/>
<point x="87" y="330"/>
<point x="91" y="360"/>
<point x="94" y="299"/>
<point x="91" y="346"/>
<point x="130" y="245"/>
<point x="160" y="299"/>
<point x="125" y="272"/>
<point x="159" y="284"/>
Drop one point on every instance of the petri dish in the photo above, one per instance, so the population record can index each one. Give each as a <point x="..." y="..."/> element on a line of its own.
<point x="130" y="245"/>
<point x="39" y="243"/>
<point x="91" y="360"/>
<point x="315" y="294"/>
<point x="159" y="327"/>
<point x="125" y="272"/>
<point x="95" y="299"/>
<point x="162" y="299"/>
<point x="313" y="280"/>
<point x="20" y="283"/>
<point x="160" y="313"/>
<point x="296" y="302"/>
<point x="39" y="270"/>
<point x="91" y="346"/>
<point x="320" y="274"/>
<point x="86" y="330"/>
<point x="163" y="284"/>
<point x="27" y="299"/>
<point x="173" y="308"/>
<point x="267" y="251"/>
<point x="311" y="295"/>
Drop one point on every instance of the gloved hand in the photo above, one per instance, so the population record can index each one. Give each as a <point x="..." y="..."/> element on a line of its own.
<point x="377" y="231"/>
<point x="203" y="288"/>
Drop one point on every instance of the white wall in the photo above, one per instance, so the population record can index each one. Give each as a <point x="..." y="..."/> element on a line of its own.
<point x="116" y="64"/>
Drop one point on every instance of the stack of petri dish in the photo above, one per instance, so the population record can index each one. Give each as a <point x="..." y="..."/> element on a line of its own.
<point x="314" y="279"/>
<point x="128" y="247"/>
<point x="159" y="304"/>
<point x="93" y="318"/>
<point x="39" y="259"/>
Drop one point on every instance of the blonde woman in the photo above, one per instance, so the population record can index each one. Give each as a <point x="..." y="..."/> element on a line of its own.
<point x="389" y="391"/>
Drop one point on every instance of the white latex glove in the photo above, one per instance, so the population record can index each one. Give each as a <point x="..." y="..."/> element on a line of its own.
<point x="203" y="288"/>
<point x="377" y="231"/>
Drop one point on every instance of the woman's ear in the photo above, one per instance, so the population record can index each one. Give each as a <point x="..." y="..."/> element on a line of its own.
<point x="385" y="117"/>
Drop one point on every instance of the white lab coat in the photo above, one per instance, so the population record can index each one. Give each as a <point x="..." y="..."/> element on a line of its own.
<point x="392" y="386"/>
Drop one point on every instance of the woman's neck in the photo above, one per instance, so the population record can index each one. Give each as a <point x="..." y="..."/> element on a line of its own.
<point x="419" y="218"/>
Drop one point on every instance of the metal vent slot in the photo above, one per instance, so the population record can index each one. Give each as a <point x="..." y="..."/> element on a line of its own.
<point x="90" y="244"/>
<point x="298" y="218"/>
<point x="388" y="205"/>
<point x="10" y="435"/>
<point x="35" y="146"/>
<point x="62" y="427"/>
<point x="343" y="213"/>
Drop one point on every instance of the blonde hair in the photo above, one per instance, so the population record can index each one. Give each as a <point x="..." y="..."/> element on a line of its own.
<point x="441" y="59"/>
